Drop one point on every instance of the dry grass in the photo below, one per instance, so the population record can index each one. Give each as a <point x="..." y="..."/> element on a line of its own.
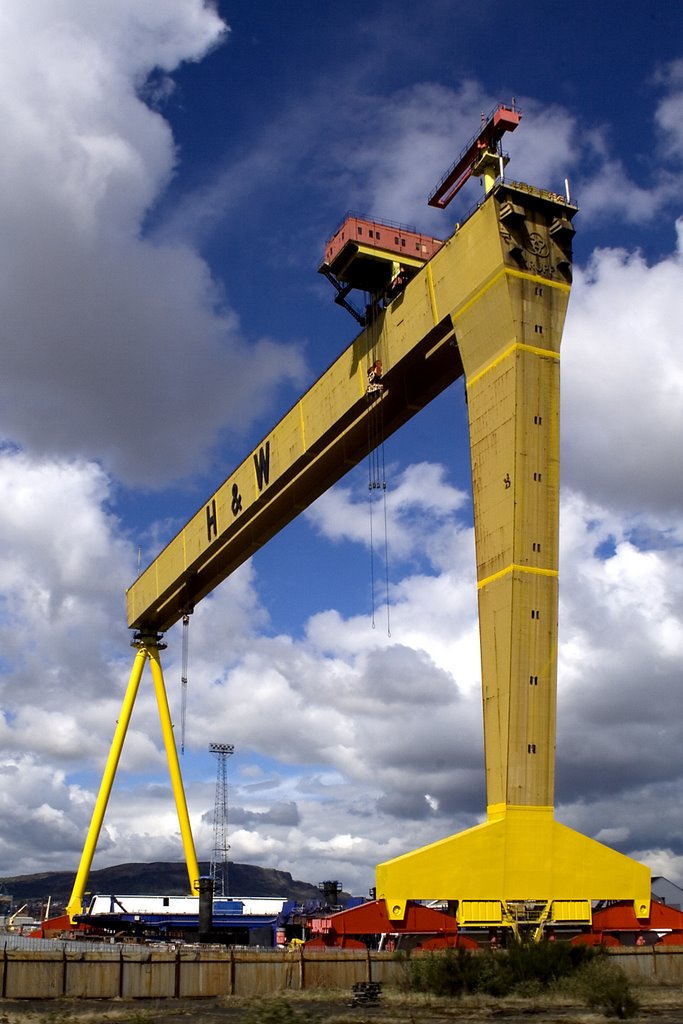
<point x="662" y="1005"/>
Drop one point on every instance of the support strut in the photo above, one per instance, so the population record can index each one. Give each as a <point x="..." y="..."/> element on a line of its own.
<point x="148" y="647"/>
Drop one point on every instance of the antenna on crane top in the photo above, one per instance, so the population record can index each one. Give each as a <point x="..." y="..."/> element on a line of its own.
<point x="482" y="156"/>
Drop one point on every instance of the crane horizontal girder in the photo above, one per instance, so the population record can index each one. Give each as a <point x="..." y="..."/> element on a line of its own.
<point x="319" y="440"/>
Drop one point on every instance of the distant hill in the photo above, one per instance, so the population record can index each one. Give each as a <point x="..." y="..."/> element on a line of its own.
<point x="161" y="878"/>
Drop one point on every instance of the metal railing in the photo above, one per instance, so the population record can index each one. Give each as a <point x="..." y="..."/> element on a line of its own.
<point x="10" y="941"/>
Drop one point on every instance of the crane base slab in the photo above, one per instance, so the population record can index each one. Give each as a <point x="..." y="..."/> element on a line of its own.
<point x="520" y="864"/>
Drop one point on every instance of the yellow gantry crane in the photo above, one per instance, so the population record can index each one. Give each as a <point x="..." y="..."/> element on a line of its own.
<point x="488" y="304"/>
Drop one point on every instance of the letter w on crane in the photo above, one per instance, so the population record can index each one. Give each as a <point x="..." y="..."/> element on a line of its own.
<point x="262" y="466"/>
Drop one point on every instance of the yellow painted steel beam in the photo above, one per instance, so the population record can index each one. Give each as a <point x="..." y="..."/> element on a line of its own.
<point x="323" y="436"/>
<point x="174" y="771"/>
<point x="147" y="648"/>
<point x="75" y="904"/>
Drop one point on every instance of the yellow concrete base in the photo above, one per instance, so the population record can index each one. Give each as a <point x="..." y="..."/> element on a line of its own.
<point x="519" y="855"/>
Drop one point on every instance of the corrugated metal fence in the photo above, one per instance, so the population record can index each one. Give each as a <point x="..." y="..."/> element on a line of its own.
<point x="57" y="969"/>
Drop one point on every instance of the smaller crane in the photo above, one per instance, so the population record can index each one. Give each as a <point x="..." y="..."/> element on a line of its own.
<point x="482" y="155"/>
<point x="14" y="916"/>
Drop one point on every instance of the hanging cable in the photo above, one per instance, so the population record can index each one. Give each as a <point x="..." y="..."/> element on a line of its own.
<point x="183" y="680"/>
<point x="386" y="530"/>
<point x="372" y="442"/>
<point x="372" y="565"/>
<point x="376" y="458"/>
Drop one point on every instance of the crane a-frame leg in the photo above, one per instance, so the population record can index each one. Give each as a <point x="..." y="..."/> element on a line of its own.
<point x="148" y="647"/>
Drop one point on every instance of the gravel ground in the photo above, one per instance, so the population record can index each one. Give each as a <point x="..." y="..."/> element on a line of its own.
<point x="660" y="1005"/>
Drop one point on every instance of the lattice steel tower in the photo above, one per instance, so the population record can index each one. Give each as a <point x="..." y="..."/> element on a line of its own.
<point x="219" y="856"/>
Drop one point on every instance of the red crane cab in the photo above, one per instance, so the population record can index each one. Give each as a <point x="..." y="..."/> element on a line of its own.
<point x="377" y="257"/>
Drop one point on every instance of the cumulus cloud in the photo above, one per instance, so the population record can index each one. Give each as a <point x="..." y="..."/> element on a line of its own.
<point x="621" y="619"/>
<point x="420" y="494"/>
<point x="109" y="337"/>
<point x="623" y="382"/>
<point x="62" y="569"/>
<point x="283" y="813"/>
<point x="669" y="111"/>
<point x="410" y="137"/>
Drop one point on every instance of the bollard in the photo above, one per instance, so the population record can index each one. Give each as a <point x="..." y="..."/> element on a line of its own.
<point x="205" y="908"/>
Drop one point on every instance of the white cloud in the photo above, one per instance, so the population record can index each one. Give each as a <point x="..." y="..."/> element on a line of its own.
<point x="621" y="623"/>
<point x="31" y="795"/>
<point x="419" y="495"/>
<point x="109" y="337"/>
<point x="611" y="193"/>
<point x="418" y="133"/>
<point x="546" y="147"/>
<point x="669" y="112"/>
<point x="64" y="564"/>
<point x="623" y="382"/>
<point x="63" y="569"/>
<point x="607" y="188"/>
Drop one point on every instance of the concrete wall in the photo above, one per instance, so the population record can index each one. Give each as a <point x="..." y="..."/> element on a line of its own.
<point x="137" y="972"/>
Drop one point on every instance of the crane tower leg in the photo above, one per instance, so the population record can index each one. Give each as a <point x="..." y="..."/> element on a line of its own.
<point x="147" y="648"/>
<point x="520" y="863"/>
<point x="174" y="771"/>
<point x="75" y="904"/>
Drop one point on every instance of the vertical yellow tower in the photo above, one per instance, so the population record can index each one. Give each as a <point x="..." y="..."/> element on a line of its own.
<point x="520" y="866"/>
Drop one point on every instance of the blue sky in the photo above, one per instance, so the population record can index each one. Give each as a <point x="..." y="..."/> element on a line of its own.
<point x="170" y="175"/>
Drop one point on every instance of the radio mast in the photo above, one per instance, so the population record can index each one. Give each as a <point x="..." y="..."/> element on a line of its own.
<point x="219" y="856"/>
